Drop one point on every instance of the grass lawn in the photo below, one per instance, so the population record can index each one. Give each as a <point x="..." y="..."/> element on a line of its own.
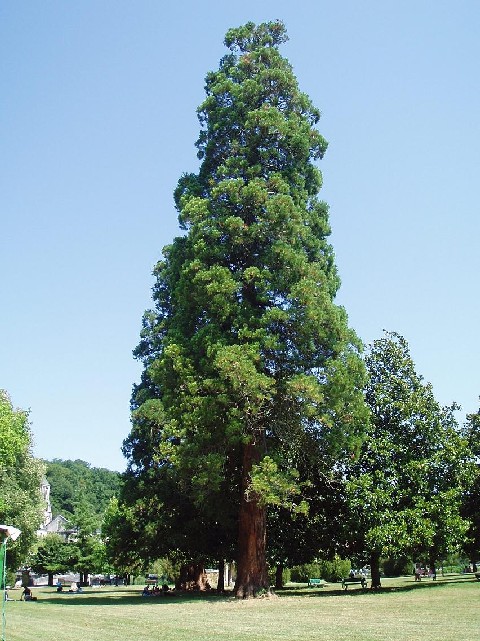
<point x="445" y="610"/>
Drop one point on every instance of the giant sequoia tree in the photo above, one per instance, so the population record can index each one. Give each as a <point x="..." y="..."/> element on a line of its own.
<point x="249" y="366"/>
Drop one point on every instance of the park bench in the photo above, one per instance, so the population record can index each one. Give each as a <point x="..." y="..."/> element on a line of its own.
<point x="346" y="581"/>
<point x="316" y="583"/>
<point x="477" y="576"/>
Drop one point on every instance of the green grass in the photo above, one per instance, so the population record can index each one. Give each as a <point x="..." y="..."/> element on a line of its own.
<point x="445" y="610"/>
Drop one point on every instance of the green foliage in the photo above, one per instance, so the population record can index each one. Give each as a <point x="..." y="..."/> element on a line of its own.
<point x="88" y="555"/>
<point x="14" y="432"/>
<point x="397" y="566"/>
<point x="295" y="539"/>
<point x="245" y="347"/>
<point x="471" y="499"/>
<point x="276" y="488"/>
<point x="86" y="548"/>
<point x="72" y="482"/>
<point x="286" y="575"/>
<point x="52" y="555"/>
<point x="332" y="571"/>
<point x="122" y="538"/>
<point x="166" y="569"/>
<point x="20" y="477"/>
<point x="405" y="488"/>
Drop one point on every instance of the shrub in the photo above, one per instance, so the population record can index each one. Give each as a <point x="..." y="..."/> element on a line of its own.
<point x="286" y="575"/>
<point x="397" y="566"/>
<point x="301" y="573"/>
<point x="331" y="571"/>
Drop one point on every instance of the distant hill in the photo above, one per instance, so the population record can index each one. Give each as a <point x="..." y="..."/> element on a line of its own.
<point x="72" y="481"/>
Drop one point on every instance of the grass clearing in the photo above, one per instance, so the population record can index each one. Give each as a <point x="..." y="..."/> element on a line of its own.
<point x="445" y="610"/>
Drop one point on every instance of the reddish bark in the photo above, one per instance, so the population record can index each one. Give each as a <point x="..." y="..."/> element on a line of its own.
<point x="192" y="577"/>
<point x="252" y="575"/>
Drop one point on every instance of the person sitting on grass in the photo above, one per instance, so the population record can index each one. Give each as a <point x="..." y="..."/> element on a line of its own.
<point x="27" y="595"/>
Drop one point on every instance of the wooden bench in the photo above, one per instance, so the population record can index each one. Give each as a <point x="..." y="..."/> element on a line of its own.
<point x="477" y="576"/>
<point x="354" y="579"/>
<point x="316" y="583"/>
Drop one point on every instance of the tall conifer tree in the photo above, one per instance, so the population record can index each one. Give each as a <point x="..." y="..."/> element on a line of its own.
<point x="250" y="367"/>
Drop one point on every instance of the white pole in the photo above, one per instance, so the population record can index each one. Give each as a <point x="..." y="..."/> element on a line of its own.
<point x="9" y="532"/>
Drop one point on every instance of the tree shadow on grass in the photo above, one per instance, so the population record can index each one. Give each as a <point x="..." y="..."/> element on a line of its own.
<point x="132" y="596"/>
<point x="354" y="592"/>
<point x="127" y="597"/>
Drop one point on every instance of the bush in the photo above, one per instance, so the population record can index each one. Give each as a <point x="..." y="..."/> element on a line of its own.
<point x="330" y="571"/>
<point x="166" y="569"/>
<point x="286" y="575"/>
<point x="301" y="573"/>
<point x="397" y="566"/>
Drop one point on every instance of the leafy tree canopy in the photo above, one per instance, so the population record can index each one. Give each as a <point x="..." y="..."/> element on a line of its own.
<point x="52" y="556"/>
<point x="471" y="498"/>
<point x="405" y="488"/>
<point x="20" y="477"/>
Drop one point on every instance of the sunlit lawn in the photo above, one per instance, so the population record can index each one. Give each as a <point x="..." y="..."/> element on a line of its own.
<point x="445" y="610"/>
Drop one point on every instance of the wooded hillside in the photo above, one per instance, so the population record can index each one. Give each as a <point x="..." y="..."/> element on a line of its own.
<point x="72" y="481"/>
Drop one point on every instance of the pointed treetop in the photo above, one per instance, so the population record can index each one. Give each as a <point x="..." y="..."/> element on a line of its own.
<point x="251" y="36"/>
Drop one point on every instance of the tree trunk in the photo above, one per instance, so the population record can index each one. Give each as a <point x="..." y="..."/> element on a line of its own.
<point x="50" y="579"/>
<point x="221" y="576"/>
<point x="192" y="577"/>
<point x="252" y="576"/>
<point x="375" y="570"/>
<point x="230" y="574"/>
<point x="279" y="576"/>
<point x="83" y="578"/>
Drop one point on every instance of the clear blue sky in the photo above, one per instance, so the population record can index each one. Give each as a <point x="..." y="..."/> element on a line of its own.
<point x="98" y="122"/>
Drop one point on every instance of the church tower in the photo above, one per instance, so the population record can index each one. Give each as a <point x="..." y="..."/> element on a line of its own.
<point x="45" y="490"/>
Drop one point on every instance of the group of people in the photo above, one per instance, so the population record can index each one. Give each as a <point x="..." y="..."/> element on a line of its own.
<point x="155" y="590"/>
<point x="419" y="572"/>
<point x="357" y="574"/>
<point x="74" y="588"/>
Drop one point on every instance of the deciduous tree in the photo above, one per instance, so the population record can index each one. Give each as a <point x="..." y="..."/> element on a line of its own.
<point x="20" y="476"/>
<point x="405" y="488"/>
<point x="471" y="498"/>
<point x="51" y="557"/>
